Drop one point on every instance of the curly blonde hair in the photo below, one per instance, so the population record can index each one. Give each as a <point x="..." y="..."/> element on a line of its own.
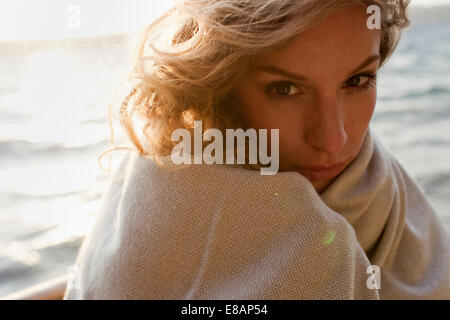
<point x="187" y="60"/>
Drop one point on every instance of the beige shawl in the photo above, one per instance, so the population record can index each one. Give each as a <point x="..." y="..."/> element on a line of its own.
<point x="224" y="232"/>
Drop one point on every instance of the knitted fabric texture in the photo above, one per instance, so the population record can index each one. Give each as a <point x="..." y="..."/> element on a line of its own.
<point x="224" y="232"/>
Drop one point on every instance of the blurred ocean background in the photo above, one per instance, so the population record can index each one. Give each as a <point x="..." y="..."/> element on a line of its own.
<point x="53" y="127"/>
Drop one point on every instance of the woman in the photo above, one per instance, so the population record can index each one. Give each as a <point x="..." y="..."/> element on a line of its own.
<point x="341" y="220"/>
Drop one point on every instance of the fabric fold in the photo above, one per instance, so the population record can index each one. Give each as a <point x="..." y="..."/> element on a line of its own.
<point x="395" y="224"/>
<point x="224" y="232"/>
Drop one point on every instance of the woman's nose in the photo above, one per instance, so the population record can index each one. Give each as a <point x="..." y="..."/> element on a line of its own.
<point x="327" y="127"/>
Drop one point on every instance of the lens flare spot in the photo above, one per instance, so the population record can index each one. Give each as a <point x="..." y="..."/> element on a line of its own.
<point x="329" y="237"/>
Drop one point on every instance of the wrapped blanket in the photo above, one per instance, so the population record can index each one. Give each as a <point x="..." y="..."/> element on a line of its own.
<point x="224" y="232"/>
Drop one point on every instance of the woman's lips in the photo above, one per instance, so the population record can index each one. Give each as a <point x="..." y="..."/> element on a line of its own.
<point x="322" y="174"/>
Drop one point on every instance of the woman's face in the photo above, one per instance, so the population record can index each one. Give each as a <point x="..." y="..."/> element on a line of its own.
<point x="319" y="91"/>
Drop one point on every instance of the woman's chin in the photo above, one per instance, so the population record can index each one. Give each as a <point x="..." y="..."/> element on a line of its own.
<point x="321" y="185"/>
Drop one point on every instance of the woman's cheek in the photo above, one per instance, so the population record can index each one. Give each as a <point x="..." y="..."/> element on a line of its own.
<point x="370" y="105"/>
<point x="362" y="108"/>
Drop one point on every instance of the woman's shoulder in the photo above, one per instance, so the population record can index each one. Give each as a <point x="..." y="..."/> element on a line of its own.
<point x="162" y="227"/>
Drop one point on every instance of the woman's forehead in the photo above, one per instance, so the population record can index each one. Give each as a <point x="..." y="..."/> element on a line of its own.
<point x="341" y="41"/>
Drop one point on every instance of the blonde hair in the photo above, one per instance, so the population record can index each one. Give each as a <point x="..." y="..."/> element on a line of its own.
<point x="186" y="61"/>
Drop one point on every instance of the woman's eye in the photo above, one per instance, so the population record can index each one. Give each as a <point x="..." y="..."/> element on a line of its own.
<point x="359" y="80"/>
<point x="283" y="90"/>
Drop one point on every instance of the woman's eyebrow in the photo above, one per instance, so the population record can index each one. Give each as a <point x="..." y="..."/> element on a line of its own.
<point x="279" y="71"/>
<point x="366" y="62"/>
<point x="299" y="77"/>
